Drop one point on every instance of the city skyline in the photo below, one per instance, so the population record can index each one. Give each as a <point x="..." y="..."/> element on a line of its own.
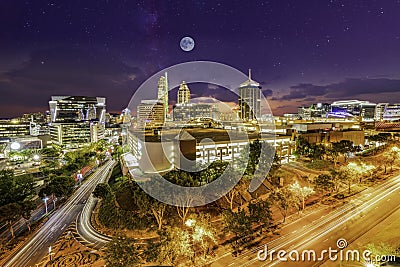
<point x="299" y="53"/>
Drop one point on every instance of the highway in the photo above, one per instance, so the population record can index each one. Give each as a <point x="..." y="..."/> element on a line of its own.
<point x="84" y="227"/>
<point x="319" y="232"/>
<point x="32" y="251"/>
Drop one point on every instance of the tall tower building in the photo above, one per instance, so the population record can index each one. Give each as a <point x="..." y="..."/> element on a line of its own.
<point x="250" y="100"/>
<point x="183" y="94"/>
<point x="163" y="92"/>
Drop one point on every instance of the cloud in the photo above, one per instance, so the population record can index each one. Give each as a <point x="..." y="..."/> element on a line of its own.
<point x="67" y="71"/>
<point x="349" y="88"/>
<point x="266" y="92"/>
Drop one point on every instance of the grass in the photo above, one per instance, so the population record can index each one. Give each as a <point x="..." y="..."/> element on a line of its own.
<point x="320" y="165"/>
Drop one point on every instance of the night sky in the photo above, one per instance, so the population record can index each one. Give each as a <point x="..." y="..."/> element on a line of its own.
<point x="301" y="52"/>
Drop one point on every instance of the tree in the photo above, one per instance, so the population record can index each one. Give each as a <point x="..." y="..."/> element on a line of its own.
<point x="316" y="151"/>
<point x="174" y="243"/>
<point x="346" y="177"/>
<point x="213" y="171"/>
<point x="26" y="208"/>
<point x="184" y="206"/>
<point x="302" y="146"/>
<point x="102" y="190"/>
<point x="237" y="223"/>
<point x="158" y="210"/>
<point x="8" y="214"/>
<point x="301" y="194"/>
<point x="391" y="156"/>
<point x="122" y="251"/>
<point x="284" y="199"/>
<point x="324" y="182"/>
<point x="260" y="213"/>
<point x="333" y="153"/>
<point x="381" y="249"/>
<point x="343" y="147"/>
<point x="59" y="186"/>
<point x="235" y="192"/>
<point x="202" y="233"/>
<point x="336" y="179"/>
<point x="13" y="188"/>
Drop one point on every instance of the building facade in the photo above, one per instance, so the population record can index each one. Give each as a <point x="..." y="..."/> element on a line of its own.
<point x="391" y="112"/>
<point x="379" y="111"/>
<point x="12" y="128"/>
<point x="186" y="112"/>
<point x="163" y="92"/>
<point x="319" y="110"/>
<point x="150" y="113"/>
<point x="183" y="94"/>
<point x="356" y="109"/>
<point x="250" y="100"/>
<point x="77" y="108"/>
<point x="77" y="120"/>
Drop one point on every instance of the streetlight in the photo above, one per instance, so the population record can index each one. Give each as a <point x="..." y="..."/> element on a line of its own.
<point x="15" y="146"/>
<point x="45" y="202"/>
<point x="36" y="157"/>
<point x="190" y="222"/>
<point x="54" y="202"/>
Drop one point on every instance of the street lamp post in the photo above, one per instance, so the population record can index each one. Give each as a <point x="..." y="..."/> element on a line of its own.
<point x="45" y="202"/>
<point x="54" y="202"/>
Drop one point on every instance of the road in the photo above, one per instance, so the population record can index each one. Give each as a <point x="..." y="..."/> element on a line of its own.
<point x="20" y="226"/>
<point x="38" y="246"/>
<point x="348" y="222"/>
<point x="84" y="226"/>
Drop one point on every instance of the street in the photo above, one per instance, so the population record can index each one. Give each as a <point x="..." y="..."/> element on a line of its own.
<point x="38" y="246"/>
<point x="322" y="229"/>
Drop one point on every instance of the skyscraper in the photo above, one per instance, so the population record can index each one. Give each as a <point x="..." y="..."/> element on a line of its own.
<point x="250" y="100"/>
<point x="183" y="94"/>
<point x="163" y="92"/>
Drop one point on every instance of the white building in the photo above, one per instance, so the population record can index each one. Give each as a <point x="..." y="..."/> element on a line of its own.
<point x="183" y="94"/>
<point x="163" y="92"/>
<point x="250" y="100"/>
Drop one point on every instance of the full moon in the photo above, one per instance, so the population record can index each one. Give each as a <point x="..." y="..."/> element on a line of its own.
<point x="187" y="44"/>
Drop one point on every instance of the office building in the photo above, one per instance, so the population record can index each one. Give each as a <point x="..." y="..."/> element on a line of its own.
<point x="13" y="127"/>
<point x="183" y="94"/>
<point x="163" y="92"/>
<point x="353" y="109"/>
<point x="250" y="100"/>
<point x="187" y="112"/>
<point x="77" y="108"/>
<point x="77" y="120"/>
<point x="34" y="117"/>
<point x="319" y="110"/>
<point x="391" y="112"/>
<point x="379" y="111"/>
<point x="150" y="113"/>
